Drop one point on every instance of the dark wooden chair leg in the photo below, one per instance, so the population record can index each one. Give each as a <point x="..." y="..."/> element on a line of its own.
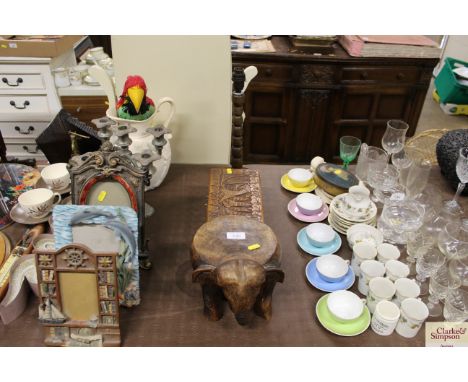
<point x="238" y="100"/>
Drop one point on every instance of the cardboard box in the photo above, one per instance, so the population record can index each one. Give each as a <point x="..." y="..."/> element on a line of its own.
<point x="36" y="46"/>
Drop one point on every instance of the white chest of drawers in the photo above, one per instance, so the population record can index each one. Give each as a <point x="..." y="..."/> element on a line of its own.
<point x="28" y="102"/>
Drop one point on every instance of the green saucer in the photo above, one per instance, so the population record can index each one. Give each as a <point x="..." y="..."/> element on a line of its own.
<point x="352" y="328"/>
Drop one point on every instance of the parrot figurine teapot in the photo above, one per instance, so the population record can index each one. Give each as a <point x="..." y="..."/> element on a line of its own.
<point x="135" y="109"/>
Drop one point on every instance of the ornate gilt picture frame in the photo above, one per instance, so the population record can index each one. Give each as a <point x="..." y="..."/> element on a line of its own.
<point x="111" y="177"/>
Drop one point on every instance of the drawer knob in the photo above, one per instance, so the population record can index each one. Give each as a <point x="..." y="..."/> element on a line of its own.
<point x="268" y="72"/>
<point x="25" y="104"/>
<point x="19" y="80"/>
<point x="400" y="76"/>
<point x="29" y="130"/>
<point x="364" y="75"/>
<point x="30" y="150"/>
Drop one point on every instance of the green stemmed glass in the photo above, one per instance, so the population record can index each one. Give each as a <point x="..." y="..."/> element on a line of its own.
<point x="349" y="147"/>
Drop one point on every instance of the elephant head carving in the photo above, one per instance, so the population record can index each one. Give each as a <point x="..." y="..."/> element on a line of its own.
<point x="242" y="282"/>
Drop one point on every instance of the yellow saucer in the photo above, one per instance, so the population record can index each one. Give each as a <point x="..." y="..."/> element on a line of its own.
<point x="286" y="183"/>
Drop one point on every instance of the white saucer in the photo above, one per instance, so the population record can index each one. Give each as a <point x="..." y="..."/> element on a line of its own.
<point x="18" y="215"/>
<point x="42" y="184"/>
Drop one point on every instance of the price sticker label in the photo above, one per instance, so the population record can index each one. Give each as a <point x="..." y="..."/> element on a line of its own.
<point x="253" y="247"/>
<point x="102" y="196"/>
<point x="235" y="235"/>
<point x="229" y="170"/>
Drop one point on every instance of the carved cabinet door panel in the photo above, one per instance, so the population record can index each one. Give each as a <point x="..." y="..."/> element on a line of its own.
<point x="363" y="111"/>
<point x="267" y="111"/>
<point x="310" y="124"/>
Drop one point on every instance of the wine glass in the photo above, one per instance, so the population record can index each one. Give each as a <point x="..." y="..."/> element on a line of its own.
<point x="394" y="137"/>
<point x="427" y="263"/>
<point x="349" y="147"/>
<point x="456" y="305"/>
<point x="462" y="172"/>
<point x="402" y="162"/>
<point x="440" y="284"/>
<point x="458" y="269"/>
<point x="453" y="238"/>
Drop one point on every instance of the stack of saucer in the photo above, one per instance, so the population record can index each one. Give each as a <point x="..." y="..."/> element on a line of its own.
<point x="330" y="273"/>
<point x="352" y="208"/>
<point x="308" y="208"/>
<point x="324" y="195"/>
<point x="343" y="313"/>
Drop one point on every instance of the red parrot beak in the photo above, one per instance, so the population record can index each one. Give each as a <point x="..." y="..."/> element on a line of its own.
<point x="136" y="95"/>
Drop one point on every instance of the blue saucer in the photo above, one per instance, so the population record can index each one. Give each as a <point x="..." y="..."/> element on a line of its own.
<point x="317" y="251"/>
<point x="314" y="278"/>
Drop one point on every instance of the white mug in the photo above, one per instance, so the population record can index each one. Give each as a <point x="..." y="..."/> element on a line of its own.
<point x="368" y="270"/>
<point x="413" y="314"/>
<point x="38" y="203"/>
<point x="380" y="288"/>
<point x="361" y="252"/>
<point x="386" y="251"/>
<point x="385" y="318"/>
<point x="56" y="176"/>
<point x="395" y="270"/>
<point x="405" y="288"/>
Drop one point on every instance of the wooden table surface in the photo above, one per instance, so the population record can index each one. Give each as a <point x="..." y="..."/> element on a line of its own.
<point x="171" y="311"/>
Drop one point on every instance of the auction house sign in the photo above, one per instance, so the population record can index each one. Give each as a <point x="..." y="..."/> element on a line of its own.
<point x="446" y="334"/>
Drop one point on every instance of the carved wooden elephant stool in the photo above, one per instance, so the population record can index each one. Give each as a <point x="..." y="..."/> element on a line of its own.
<point x="227" y="269"/>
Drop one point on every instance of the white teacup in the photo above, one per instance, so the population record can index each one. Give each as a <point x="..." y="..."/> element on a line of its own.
<point x="309" y="204"/>
<point x="396" y="270"/>
<point x="385" y="318"/>
<point x="299" y="177"/>
<point x="38" y="203"/>
<point x="386" y="251"/>
<point x="320" y="234"/>
<point x="56" y="176"/>
<point x="361" y="252"/>
<point x="380" y="288"/>
<point x="345" y="306"/>
<point x="413" y="314"/>
<point x="368" y="270"/>
<point x="405" y="288"/>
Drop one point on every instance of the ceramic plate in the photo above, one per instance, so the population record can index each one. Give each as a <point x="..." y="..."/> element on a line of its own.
<point x="285" y="182"/>
<point x="294" y="211"/>
<point x="18" y="215"/>
<point x="315" y="280"/>
<point x="317" y="251"/>
<point x="352" y="328"/>
<point x="41" y="184"/>
<point x="338" y="205"/>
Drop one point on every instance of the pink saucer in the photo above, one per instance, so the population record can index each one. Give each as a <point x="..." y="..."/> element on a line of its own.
<point x="294" y="211"/>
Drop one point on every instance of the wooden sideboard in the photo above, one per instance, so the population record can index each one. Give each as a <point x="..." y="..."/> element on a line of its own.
<point x="299" y="105"/>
